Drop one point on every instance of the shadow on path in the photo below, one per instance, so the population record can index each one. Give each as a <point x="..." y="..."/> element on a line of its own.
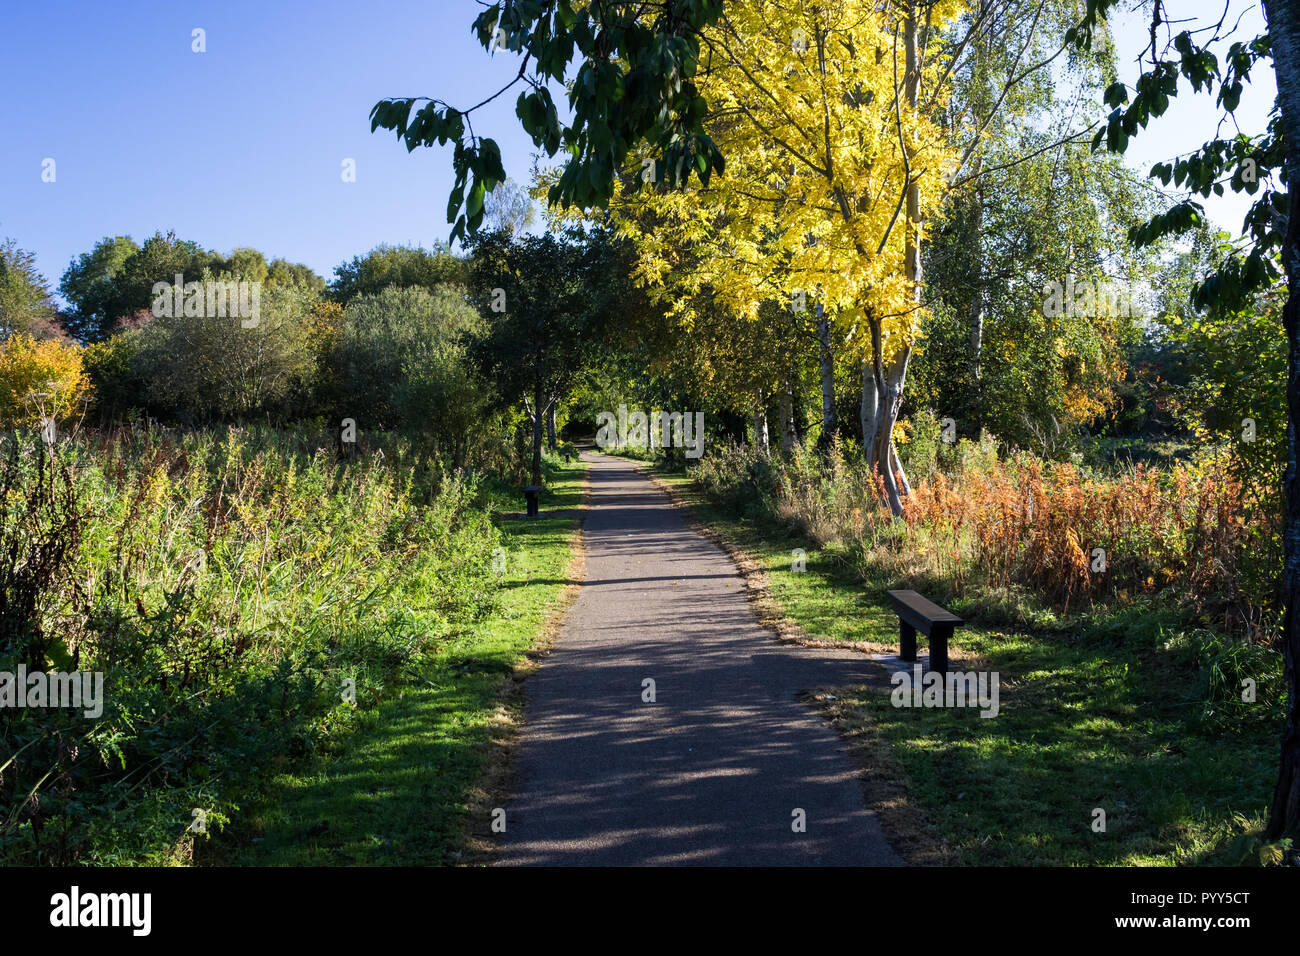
<point x="714" y="769"/>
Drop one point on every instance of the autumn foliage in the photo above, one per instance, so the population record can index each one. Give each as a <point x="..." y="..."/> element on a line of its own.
<point x="1050" y="534"/>
<point x="40" y="378"/>
<point x="1075" y="537"/>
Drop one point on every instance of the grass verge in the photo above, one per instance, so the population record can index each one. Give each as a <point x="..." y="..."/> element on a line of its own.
<point x="407" y="786"/>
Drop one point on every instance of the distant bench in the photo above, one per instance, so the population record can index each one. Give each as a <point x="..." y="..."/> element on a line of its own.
<point x="916" y="613"/>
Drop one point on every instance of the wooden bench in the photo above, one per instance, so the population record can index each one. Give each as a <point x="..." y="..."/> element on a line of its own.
<point x="915" y="613"/>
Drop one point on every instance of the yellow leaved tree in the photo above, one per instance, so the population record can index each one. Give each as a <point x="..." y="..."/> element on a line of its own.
<point x="832" y="167"/>
<point x="40" y="379"/>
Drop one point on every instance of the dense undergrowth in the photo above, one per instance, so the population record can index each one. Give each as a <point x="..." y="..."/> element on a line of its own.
<point x="245" y="594"/>
<point x="1029" y="540"/>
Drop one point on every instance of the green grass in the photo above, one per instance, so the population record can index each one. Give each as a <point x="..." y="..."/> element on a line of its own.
<point x="396" y="790"/>
<point x="1111" y="715"/>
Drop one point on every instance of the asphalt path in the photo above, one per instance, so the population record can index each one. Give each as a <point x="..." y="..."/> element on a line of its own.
<point x="725" y="762"/>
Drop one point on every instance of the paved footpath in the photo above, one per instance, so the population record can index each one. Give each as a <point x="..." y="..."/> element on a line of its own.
<point x="712" y="771"/>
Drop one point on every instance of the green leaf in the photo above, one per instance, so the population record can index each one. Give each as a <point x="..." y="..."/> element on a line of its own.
<point x="474" y="207"/>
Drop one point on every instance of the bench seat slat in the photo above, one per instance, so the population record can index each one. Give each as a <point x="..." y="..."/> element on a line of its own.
<point x="921" y="613"/>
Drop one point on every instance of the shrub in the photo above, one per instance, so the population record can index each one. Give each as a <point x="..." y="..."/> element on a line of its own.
<point x="385" y="267"/>
<point x="403" y="360"/>
<point x="225" y="587"/>
<point x="1026" y="526"/>
<point x="115" y="376"/>
<point x="40" y="379"/>
<point x="25" y="304"/>
<point x="1225" y="664"/>
<point x="210" y="367"/>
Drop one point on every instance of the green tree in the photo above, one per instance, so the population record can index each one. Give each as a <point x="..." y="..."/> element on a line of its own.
<point x="210" y="367"/>
<point x="244" y="261"/>
<point x="402" y="355"/>
<point x="547" y="300"/>
<point x="634" y="83"/>
<point x="116" y="377"/>
<point x="115" y="280"/>
<point x="995" y="356"/>
<point x="89" y="284"/>
<point x="25" y="303"/>
<point x="440" y="397"/>
<point x="253" y="265"/>
<point x="283" y="272"/>
<point x="509" y="207"/>
<point x="399" y="266"/>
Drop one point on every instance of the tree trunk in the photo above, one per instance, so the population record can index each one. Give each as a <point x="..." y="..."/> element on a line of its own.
<point x="830" y="424"/>
<point x="1284" y="30"/>
<point x="760" y="424"/>
<point x="550" y="426"/>
<point x="912" y="89"/>
<point x="978" y="308"/>
<point x="870" y="408"/>
<point x="789" y="438"/>
<point x="885" y="380"/>
<point x="538" y="415"/>
<point x="882" y="397"/>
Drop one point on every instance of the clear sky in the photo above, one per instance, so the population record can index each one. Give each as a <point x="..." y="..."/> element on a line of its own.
<point x="241" y="145"/>
<point x="244" y="144"/>
<point x="1188" y="122"/>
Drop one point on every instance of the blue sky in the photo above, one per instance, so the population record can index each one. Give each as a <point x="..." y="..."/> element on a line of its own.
<point x="244" y="144"/>
<point x="1186" y="124"/>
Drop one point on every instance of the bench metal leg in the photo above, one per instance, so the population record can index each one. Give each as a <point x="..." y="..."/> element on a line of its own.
<point x="939" y="648"/>
<point x="906" y="641"/>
